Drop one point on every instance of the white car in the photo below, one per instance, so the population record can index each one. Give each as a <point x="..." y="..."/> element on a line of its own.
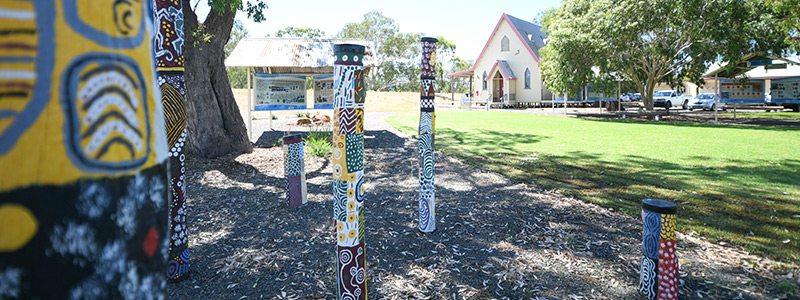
<point x="704" y="102"/>
<point x="668" y="99"/>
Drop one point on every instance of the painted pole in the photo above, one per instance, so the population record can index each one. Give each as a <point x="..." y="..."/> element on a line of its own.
<point x="427" y="130"/>
<point x="84" y="202"/>
<point x="658" y="278"/>
<point x="348" y="171"/>
<point x="169" y="66"/>
<point x="294" y="170"/>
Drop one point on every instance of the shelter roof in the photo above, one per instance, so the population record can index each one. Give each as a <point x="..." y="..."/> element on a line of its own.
<point x="293" y="55"/>
<point x="744" y="66"/>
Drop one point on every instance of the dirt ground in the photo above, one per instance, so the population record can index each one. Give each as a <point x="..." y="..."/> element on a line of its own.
<point x="495" y="238"/>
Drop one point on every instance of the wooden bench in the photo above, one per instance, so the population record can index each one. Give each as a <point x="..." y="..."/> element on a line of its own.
<point x="767" y="108"/>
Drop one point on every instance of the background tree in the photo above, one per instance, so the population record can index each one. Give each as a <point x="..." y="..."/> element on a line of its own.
<point x="214" y="123"/>
<point x="306" y="33"/>
<point x="789" y="15"/>
<point x="651" y="41"/>
<point x="385" y="34"/>
<point x="236" y="75"/>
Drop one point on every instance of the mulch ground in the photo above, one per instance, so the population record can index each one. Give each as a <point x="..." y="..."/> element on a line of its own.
<point x="495" y="238"/>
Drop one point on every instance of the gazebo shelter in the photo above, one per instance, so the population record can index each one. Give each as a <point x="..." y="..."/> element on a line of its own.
<point x="289" y="56"/>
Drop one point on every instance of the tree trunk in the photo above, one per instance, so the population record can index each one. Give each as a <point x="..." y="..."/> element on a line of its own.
<point x="214" y="124"/>
<point x="647" y="94"/>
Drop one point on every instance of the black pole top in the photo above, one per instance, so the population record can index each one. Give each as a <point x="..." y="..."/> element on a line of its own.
<point x="360" y="49"/>
<point x="429" y="39"/>
<point x="659" y="206"/>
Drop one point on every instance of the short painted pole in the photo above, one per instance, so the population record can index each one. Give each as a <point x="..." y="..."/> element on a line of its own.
<point x="294" y="170"/>
<point x="348" y="171"/>
<point x="658" y="278"/>
<point x="427" y="123"/>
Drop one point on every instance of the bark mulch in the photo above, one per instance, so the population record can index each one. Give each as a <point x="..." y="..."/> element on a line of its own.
<point x="495" y="238"/>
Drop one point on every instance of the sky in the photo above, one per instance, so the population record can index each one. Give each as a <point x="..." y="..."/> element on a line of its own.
<point x="466" y="23"/>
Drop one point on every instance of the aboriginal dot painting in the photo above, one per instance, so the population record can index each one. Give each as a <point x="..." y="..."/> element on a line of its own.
<point x="427" y="122"/>
<point x="168" y="44"/>
<point x="348" y="172"/>
<point x="84" y="192"/>
<point x="294" y="170"/>
<point x="658" y="277"/>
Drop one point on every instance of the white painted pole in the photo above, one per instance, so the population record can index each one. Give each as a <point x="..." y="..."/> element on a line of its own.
<point x="249" y="108"/>
<point x="565" y="103"/>
<point x="716" y="97"/>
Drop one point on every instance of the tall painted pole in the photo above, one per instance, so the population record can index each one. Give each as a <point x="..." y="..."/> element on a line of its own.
<point x="427" y="129"/>
<point x="169" y="65"/>
<point x="658" y="278"/>
<point x="348" y="171"/>
<point x="83" y="153"/>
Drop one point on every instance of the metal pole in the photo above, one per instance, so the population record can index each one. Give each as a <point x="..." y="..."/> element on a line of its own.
<point x="169" y="64"/>
<point x="565" y="103"/>
<point x="658" y="278"/>
<point x="348" y="171"/>
<point x="427" y="121"/>
<point x="619" y="98"/>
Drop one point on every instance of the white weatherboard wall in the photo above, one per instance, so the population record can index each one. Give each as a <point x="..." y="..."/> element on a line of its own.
<point x="518" y="58"/>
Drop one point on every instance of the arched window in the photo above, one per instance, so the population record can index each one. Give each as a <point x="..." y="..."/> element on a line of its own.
<point x="527" y="78"/>
<point x="485" y="86"/>
<point x="504" y="44"/>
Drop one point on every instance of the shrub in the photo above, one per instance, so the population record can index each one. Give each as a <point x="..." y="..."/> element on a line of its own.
<point x="318" y="142"/>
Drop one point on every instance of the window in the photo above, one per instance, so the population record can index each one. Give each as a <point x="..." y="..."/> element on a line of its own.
<point x="484" y="80"/>
<point x="527" y="78"/>
<point x="504" y="44"/>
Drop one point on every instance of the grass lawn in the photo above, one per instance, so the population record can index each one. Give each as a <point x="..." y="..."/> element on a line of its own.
<point x="765" y="115"/>
<point x="735" y="184"/>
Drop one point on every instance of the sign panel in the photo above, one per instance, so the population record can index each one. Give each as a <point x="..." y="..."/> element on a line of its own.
<point x="323" y="92"/>
<point x="736" y="92"/>
<point x="785" y="90"/>
<point x="466" y="103"/>
<point x="279" y="92"/>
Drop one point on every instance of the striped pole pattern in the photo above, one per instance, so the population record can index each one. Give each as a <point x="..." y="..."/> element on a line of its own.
<point x="427" y="122"/>
<point x="83" y="152"/>
<point x="168" y="44"/>
<point x="294" y="170"/>
<point x="348" y="171"/>
<point x="658" y="278"/>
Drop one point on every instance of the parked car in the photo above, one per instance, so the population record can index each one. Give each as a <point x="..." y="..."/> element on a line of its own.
<point x="670" y="98"/>
<point x="704" y="102"/>
<point x="637" y="97"/>
<point x="627" y="97"/>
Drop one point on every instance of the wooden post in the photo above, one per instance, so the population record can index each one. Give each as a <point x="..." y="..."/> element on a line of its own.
<point x="427" y="130"/>
<point x="658" y="277"/>
<point x="294" y="170"/>
<point x="348" y="171"/>
<point x="84" y="187"/>
<point x="169" y="65"/>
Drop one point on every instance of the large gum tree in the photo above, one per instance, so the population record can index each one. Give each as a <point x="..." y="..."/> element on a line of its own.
<point x="214" y="124"/>
<point x="651" y="41"/>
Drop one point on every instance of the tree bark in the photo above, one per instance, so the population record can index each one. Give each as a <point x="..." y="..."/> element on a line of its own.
<point x="214" y="124"/>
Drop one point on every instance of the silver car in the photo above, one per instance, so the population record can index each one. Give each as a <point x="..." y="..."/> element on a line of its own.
<point x="703" y="101"/>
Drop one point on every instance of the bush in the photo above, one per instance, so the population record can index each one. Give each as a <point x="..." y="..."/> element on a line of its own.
<point x="318" y="142"/>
